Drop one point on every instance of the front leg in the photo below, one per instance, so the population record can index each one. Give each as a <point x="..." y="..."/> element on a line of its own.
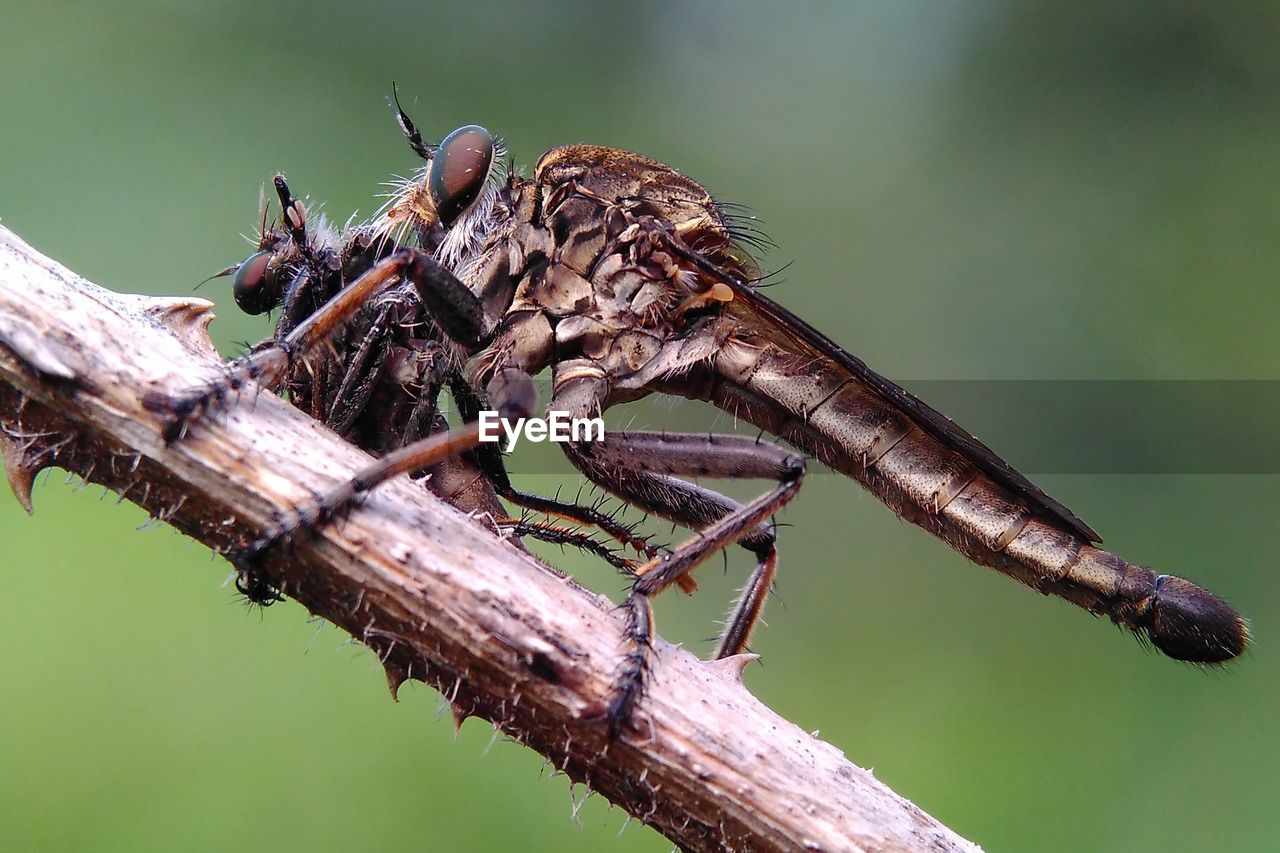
<point x="514" y="398"/>
<point x="455" y="309"/>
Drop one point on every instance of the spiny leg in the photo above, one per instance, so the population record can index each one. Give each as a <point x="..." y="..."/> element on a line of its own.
<point x="624" y="464"/>
<point x="514" y="397"/>
<point x="587" y="515"/>
<point x="747" y="609"/>
<point x="658" y="574"/>
<point x="330" y="504"/>
<point x="455" y="478"/>
<point x="557" y="534"/>
<point x="453" y="307"/>
<point x="489" y="458"/>
<point x="640" y="468"/>
<point x="360" y="379"/>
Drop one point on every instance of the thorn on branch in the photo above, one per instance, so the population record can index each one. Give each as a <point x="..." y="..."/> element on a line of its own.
<point x="26" y="455"/>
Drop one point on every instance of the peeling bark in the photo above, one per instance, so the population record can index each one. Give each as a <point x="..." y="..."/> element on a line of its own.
<point x="434" y="594"/>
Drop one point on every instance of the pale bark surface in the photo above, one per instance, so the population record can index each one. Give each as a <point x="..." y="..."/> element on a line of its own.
<point x="434" y="594"/>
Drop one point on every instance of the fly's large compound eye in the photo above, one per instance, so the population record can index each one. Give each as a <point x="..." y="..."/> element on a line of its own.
<point x="255" y="288"/>
<point x="459" y="170"/>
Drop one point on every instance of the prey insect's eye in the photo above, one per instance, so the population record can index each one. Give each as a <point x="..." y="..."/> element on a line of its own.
<point x="459" y="170"/>
<point x="255" y="288"/>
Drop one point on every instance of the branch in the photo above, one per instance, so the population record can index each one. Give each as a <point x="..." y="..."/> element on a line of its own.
<point x="435" y="595"/>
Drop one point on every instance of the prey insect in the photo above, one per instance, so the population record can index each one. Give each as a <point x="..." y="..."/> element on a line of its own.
<point x="379" y="377"/>
<point x="624" y="278"/>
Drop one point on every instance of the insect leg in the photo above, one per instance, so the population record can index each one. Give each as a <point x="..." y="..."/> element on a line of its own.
<point x="329" y="505"/>
<point x="642" y="468"/>
<point x="489" y="458"/>
<point x="514" y="396"/>
<point x="556" y="534"/>
<point x="361" y="376"/>
<point x="300" y="299"/>
<point x="588" y="515"/>
<point x="270" y="364"/>
<point x="458" y="313"/>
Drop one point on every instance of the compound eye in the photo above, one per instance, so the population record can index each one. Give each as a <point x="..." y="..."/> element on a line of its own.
<point x="459" y="169"/>
<point x="255" y="288"/>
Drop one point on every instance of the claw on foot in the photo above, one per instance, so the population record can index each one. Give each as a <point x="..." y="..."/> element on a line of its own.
<point x="181" y="410"/>
<point x="634" y="668"/>
<point x="267" y="366"/>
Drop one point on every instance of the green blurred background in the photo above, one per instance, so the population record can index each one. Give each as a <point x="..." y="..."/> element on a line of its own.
<point x="985" y="190"/>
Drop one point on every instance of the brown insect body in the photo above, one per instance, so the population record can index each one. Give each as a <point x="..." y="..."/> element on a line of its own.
<point x="623" y="277"/>
<point x="609" y="253"/>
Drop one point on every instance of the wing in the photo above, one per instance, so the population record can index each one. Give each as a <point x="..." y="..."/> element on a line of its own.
<point x="765" y="310"/>
<point x="770" y="317"/>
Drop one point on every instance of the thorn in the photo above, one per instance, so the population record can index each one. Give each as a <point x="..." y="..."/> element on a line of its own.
<point x="22" y="462"/>
<point x="187" y="317"/>
<point x="396" y="676"/>
<point x="732" y="666"/>
<point x="459" y="715"/>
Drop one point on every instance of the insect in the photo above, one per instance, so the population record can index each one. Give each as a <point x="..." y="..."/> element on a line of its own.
<point x="379" y="378"/>
<point x="625" y="278"/>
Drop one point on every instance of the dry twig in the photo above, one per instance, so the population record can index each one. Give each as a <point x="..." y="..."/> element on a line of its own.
<point x="433" y="594"/>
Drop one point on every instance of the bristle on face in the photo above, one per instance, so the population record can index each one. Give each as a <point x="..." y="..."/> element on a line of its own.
<point x="412" y="210"/>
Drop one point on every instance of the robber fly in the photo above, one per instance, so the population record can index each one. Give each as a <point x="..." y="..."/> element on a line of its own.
<point x="624" y="278"/>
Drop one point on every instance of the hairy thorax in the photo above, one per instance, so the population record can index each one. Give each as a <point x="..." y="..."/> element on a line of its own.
<point x="605" y="268"/>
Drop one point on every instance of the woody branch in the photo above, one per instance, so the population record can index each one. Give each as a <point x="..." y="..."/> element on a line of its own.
<point x="434" y="594"/>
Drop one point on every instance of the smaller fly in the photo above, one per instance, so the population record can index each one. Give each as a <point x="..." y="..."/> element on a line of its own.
<point x="379" y="379"/>
<point x="624" y="278"/>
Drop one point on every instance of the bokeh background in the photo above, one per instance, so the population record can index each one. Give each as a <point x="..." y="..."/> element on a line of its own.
<point x="966" y="191"/>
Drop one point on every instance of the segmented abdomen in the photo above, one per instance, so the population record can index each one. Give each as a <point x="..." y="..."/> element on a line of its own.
<point x="823" y="408"/>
